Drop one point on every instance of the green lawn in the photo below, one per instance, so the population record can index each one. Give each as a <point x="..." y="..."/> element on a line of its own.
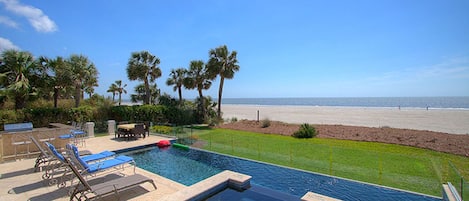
<point x="396" y="166"/>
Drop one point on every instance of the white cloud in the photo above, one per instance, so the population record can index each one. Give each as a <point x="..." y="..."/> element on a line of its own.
<point x="6" y="44"/>
<point x="35" y="16"/>
<point x="7" y="21"/>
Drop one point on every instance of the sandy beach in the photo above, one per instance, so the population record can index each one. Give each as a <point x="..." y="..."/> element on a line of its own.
<point x="453" y="121"/>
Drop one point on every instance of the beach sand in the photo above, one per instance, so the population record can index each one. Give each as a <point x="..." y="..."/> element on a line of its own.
<point x="453" y="121"/>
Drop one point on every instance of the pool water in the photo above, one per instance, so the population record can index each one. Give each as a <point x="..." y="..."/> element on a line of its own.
<point x="191" y="166"/>
<point x="256" y="193"/>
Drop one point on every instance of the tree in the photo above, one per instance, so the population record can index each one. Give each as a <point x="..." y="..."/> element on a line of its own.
<point x="60" y="76"/>
<point x="113" y="89"/>
<point x="224" y="64"/>
<point x="198" y="78"/>
<point x="120" y="89"/>
<point x="141" y="94"/>
<point x="143" y="66"/>
<point x="84" y="75"/>
<point x="17" y="68"/>
<point x="177" y="79"/>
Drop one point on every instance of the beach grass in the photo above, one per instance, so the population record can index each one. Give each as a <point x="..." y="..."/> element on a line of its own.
<point x="397" y="166"/>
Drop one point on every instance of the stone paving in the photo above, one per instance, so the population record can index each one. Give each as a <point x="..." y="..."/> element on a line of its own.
<point x="18" y="181"/>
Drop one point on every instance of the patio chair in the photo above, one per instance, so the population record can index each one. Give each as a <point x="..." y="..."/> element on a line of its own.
<point x="147" y="128"/>
<point x="138" y="130"/>
<point x="82" y="189"/>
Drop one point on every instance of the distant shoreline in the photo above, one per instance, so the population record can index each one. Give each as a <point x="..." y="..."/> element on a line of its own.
<point x="446" y="120"/>
<point x="461" y="102"/>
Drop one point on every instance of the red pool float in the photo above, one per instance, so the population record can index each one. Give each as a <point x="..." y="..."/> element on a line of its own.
<point x="163" y="143"/>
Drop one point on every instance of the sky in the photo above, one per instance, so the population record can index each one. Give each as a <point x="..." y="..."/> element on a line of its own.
<point x="310" y="48"/>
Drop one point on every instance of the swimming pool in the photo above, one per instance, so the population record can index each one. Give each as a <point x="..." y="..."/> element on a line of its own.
<point x="191" y="166"/>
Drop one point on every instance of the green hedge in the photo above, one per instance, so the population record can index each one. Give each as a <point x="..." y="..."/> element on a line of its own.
<point x="42" y="116"/>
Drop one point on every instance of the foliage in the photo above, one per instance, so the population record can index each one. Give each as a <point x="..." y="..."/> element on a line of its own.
<point x="234" y="119"/>
<point x="153" y="113"/>
<point x="84" y="75"/>
<point x="206" y="105"/>
<point x="199" y="78"/>
<point x="82" y="113"/>
<point x="11" y="116"/>
<point x="42" y="116"/>
<point x="120" y="90"/>
<point x="141" y="94"/>
<point x="305" y="131"/>
<point x="18" y="70"/>
<point x="265" y="123"/>
<point x="177" y="79"/>
<point x="113" y="89"/>
<point x="162" y="129"/>
<point x="143" y="66"/>
<point x="224" y="64"/>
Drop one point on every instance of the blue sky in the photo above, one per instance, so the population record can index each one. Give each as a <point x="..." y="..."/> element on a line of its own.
<point x="369" y="48"/>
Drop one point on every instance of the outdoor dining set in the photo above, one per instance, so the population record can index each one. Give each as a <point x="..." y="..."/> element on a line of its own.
<point x="132" y="130"/>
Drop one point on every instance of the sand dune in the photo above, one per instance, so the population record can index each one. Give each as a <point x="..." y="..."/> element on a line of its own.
<point x="454" y="121"/>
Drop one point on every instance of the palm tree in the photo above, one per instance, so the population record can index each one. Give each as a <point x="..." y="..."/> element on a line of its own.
<point x="17" y="68"/>
<point x="143" y="66"/>
<point x="60" y="76"/>
<point x="120" y="89"/>
<point x="141" y="94"/>
<point x="198" y="78"/>
<point x="224" y="64"/>
<point x="84" y="75"/>
<point x="113" y="89"/>
<point x="177" y="79"/>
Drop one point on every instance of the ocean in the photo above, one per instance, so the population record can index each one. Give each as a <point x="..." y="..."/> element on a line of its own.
<point x="403" y="102"/>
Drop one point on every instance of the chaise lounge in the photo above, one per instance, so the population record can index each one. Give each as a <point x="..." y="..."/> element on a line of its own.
<point x="83" y="188"/>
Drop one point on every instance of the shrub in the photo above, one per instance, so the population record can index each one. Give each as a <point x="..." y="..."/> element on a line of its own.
<point x="162" y="129"/>
<point x="234" y="119"/>
<point x="305" y="131"/>
<point x="265" y="123"/>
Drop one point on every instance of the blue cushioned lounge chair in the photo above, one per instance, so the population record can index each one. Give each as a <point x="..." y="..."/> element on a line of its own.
<point x="92" y="157"/>
<point x="92" y="168"/>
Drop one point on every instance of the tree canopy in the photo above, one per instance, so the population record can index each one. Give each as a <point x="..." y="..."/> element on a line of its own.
<point x="144" y="66"/>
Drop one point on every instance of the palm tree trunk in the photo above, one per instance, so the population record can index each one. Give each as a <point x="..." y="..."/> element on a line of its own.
<point x="220" y="91"/>
<point x="180" y="95"/>
<point x="202" y="105"/>
<point x="147" y="93"/>
<point x="20" y="101"/>
<point x="56" y="96"/>
<point x="77" y="95"/>
<point x="120" y="95"/>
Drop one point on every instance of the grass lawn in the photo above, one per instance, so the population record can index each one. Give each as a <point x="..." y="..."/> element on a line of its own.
<point x="403" y="167"/>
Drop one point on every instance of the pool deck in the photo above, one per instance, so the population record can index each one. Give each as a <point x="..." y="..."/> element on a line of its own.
<point x="18" y="181"/>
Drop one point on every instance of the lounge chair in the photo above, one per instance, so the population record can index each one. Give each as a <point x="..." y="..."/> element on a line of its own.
<point x="91" y="157"/>
<point x="92" y="168"/>
<point x="83" y="188"/>
<point x="45" y="158"/>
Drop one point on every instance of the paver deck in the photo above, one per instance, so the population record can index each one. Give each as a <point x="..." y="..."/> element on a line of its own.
<point x="18" y="181"/>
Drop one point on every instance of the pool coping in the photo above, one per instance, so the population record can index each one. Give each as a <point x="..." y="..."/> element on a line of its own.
<point x="211" y="185"/>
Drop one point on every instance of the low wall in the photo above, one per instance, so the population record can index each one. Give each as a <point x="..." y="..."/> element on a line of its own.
<point x="7" y="149"/>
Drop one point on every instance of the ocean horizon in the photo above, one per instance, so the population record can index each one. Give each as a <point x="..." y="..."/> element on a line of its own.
<point x="450" y="102"/>
<point x="402" y="102"/>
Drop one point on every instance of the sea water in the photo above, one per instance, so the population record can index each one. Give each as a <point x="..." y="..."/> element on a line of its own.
<point x="412" y="102"/>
